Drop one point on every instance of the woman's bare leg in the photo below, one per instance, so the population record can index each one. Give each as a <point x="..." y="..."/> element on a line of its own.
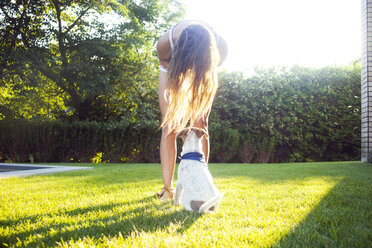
<point x="168" y="151"/>
<point x="168" y="146"/>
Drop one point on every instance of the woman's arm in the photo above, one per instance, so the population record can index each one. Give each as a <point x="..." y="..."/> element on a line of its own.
<point x="163" y="49"/>
<point x="222" y="48"/>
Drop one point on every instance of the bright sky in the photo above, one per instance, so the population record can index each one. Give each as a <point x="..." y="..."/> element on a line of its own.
<point x="283" y="32"/>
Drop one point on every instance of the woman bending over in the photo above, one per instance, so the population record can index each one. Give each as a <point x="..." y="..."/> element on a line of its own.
<point x="189" y="54"/>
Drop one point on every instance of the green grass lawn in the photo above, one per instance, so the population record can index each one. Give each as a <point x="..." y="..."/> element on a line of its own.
<point x="280" y="205"/>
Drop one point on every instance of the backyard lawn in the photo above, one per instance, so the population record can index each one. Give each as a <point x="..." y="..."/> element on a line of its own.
<point x="114" y="205"/>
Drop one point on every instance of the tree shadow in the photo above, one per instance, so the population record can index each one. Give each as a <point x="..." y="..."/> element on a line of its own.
<point x="139" y="219"/>
<point x="341" y="219"/>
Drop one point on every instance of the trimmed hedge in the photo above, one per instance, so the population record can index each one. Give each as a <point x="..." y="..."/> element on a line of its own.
<point x="288" y="115"/>
<point x="58" y="141"/>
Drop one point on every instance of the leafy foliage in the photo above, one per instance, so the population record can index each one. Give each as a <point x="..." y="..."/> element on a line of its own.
<point x="90" y="64"/>
<point x="296" y="113"/>
<point x="276" y="115"/>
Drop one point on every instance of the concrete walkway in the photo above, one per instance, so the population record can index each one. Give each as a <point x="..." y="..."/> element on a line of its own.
<point x="24" y="170"/>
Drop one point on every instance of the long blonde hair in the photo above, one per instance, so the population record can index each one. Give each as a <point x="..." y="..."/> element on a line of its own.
<point x="192" y="77"/>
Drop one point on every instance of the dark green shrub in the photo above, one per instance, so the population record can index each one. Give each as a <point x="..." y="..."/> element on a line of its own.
<point x="297" y="113"/>
<point x="58" y="141"/>
<point x="224" y="142"/>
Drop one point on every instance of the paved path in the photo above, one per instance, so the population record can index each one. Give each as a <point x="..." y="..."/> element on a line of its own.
<point x="24" y="170"/>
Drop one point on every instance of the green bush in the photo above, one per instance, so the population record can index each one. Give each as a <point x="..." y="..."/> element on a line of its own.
<point x="292" y="114"/>
<point x="59" y="141"/>
<point x="224" y="142"/>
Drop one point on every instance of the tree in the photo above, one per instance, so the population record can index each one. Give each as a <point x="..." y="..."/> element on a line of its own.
<point x="88" y="56"/>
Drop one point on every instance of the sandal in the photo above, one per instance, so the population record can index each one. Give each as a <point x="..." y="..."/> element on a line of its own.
<point x="166" y="193"/>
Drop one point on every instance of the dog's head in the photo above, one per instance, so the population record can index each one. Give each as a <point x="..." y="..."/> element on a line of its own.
<point x="200" y="133"/>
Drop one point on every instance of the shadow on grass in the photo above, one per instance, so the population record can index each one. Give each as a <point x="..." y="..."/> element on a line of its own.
<point x="343" y="218"/>
<point x="136" y="220"/>
<point x="124" y="173"/>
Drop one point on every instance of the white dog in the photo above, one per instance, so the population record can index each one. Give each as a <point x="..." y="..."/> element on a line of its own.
<point x="195" y="188"/>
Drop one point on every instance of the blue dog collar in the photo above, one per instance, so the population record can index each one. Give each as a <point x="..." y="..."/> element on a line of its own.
<point x="194" y="156"/>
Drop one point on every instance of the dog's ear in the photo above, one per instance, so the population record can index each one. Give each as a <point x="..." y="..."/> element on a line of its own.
<point x="200" y="132"/>
<point x="183" y="134"/>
